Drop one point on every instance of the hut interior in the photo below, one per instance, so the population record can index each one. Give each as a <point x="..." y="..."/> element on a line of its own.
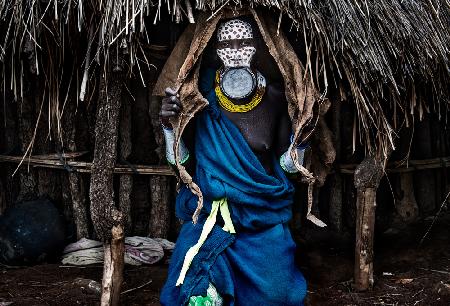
<point x="80" y="127"/>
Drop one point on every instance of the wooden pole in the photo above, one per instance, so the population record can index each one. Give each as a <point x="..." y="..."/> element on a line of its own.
<point x="159" y="185"/>
<point x="367" y="178"/>
<point x="107" y="220"/>
<point x="113" y="268"/>
<point x="77" y="193"/>
<point x="366" y="203"/>
<point x="11" y="141"/>
<point x="405" y="200"/>
<point x="103" y="211"/>
<point x="347" y="155"/>
<point x="424" y="181"/>
<point x="160" y="211"/>
<point x="336" y="190"/>
<point x="47" y="183"/>
<point x="75" y="180"/>
<point x="28" y="180"/>
<point x="405" y="204"/>
<point x="126" y="180"/>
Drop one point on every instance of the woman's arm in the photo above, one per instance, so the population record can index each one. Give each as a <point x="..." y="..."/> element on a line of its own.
<point x="171" y="108"/>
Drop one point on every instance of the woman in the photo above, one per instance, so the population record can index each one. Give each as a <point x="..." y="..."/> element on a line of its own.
<point x="241" y="251"/>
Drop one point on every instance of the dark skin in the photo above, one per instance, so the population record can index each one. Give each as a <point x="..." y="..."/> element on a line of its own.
<point x="266" y="128"/>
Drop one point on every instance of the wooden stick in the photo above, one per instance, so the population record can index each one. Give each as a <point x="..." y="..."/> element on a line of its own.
<point x="435" y="218"/>
<point x="113" y="268"/>
<point x="87" y="62"/>
<point x="437" y="271"/>
<point x="136" y="288"/>
<point x="85" y="167"/>
<point x="58" y="156"/>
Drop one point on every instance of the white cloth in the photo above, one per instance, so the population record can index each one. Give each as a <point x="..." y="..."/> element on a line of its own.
<point x="138" y="251"/>
<point x="169" y="137"/>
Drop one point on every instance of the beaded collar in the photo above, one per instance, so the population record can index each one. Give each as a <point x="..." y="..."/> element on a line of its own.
<point x="227" y="104"/>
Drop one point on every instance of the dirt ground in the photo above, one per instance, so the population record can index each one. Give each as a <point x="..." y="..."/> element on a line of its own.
<point x="406" y="273"/>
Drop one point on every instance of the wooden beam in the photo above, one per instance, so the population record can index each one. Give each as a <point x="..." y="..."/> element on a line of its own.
<point x="85" y="167"/>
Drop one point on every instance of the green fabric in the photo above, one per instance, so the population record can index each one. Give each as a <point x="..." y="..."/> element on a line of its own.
<point x="212" y="298"/>
<point x="200" y="301"/>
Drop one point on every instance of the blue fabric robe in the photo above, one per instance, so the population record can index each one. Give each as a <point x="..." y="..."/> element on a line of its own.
<point x="256" y="265"/>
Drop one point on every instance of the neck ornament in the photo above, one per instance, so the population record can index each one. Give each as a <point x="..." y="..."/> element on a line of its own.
<point x="227" y="104"/>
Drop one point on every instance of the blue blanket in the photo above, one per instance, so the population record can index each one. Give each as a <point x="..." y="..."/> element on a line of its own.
<point x="255" y="265"/>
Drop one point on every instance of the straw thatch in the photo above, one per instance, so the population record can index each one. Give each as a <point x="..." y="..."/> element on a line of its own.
<point x="391" y="55"/>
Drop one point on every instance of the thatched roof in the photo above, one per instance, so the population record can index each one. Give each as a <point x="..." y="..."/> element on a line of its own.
<point x="392" y="55"/>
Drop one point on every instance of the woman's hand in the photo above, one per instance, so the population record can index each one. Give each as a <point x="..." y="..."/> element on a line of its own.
<point x="170" y="108"/>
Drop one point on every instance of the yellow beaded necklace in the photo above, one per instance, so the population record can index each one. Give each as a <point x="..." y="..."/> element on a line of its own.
<point x="227" y="104"/>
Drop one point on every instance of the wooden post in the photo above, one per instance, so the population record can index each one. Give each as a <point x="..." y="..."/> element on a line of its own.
<point x="347" y="155"/>
<point x="335" y="211"/>
<point x="367" y="178"/>
<point x="74" y="179"/>
<point x="159" y="185"/>
<point x="126" y="180"/>
<point x="103" y="211"/>
<point x="113" y="268"/>
<point x="27" y="120"/>
<point x="405" y="204"/>
<point x="160" y="211"/>
<point x="424" y="180"/>
<point x="107" y="220"/>
<point x="77" y="193"/>
<point x="11" y="141"/>
<point x="47" y="183"/>
<point x="405" y="199"/>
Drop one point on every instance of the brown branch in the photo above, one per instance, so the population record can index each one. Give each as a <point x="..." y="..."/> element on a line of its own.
<point x="136" y="288"/>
